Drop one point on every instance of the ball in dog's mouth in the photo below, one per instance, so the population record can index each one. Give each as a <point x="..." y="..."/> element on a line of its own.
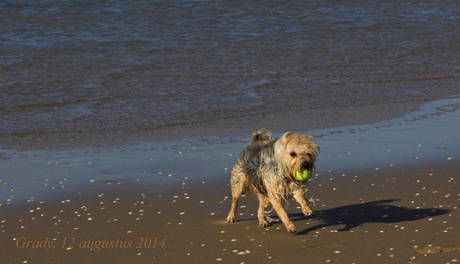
<point x="302" y="175"/>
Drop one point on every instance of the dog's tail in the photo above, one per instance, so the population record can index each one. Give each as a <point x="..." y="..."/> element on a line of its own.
<point x="261" y="135"/>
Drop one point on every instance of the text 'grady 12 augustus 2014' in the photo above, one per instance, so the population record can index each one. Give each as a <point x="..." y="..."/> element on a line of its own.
<point x="69" y="243"/>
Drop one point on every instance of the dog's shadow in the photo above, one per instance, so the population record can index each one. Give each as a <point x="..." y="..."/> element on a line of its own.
<point x="352" y="216"/>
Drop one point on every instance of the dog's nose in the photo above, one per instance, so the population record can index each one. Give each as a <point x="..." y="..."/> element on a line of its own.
<point x="305" y="165"/>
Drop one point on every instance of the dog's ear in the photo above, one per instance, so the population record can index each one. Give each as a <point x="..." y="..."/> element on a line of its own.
<point x="281" y="144"/>
<point x="286" y="135"/>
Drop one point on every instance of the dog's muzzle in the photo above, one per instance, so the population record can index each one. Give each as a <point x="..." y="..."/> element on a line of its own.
<point x="305" y="165"/>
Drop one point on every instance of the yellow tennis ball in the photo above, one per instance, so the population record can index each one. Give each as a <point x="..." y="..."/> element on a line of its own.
<point x="302" y="175"/>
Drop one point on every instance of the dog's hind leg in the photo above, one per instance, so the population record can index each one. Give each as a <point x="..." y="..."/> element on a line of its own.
<point x="238" y="184"/>
<point x="282" y="214"/>
<point x="236" y="194"/>
<point x="263" y="201"/>
<point x="231" y="214"/>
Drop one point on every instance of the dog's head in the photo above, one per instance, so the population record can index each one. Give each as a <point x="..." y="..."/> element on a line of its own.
<point x="295" y="152"/>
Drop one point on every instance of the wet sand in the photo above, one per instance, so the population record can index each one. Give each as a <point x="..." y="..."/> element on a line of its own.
<point x="380" y="197"/>
<point x="366" y="216"/>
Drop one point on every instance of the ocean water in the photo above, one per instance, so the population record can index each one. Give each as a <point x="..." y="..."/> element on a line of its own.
<point x="85" y="68"/>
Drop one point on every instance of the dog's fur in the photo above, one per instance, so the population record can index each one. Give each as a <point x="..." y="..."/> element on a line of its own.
<point x="266" y="167"/>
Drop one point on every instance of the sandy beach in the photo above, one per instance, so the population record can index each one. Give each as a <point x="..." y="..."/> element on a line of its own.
<point x="120" y="122"/>
<point x="383" y="193"/>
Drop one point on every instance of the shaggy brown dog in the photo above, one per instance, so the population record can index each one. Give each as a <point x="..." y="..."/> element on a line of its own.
<point x="267" y="168"/>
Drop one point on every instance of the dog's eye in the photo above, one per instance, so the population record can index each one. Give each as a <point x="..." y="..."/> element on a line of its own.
<point x="293" y="154"/>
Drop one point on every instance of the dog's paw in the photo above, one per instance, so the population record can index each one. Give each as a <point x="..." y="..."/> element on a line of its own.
<point x="263" y="223"/>
<point x="230" y="219"/>
<point x="308" y="212"/>
<point x="290" y="227"/>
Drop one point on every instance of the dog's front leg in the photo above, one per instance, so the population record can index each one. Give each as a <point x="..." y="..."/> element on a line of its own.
<point x="283" y="215"/>
<point x="299" y="197"/>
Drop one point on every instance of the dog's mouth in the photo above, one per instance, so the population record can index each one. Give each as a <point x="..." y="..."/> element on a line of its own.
<point x="302" y="175"/>
<point x="303" y="172"/>
<point x="307" y="166"/>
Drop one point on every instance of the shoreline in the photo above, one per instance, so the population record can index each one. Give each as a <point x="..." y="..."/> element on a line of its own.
<point x="232" y="127"/>
<point x="383" y="192"/>
<point x="403" y="140"/>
